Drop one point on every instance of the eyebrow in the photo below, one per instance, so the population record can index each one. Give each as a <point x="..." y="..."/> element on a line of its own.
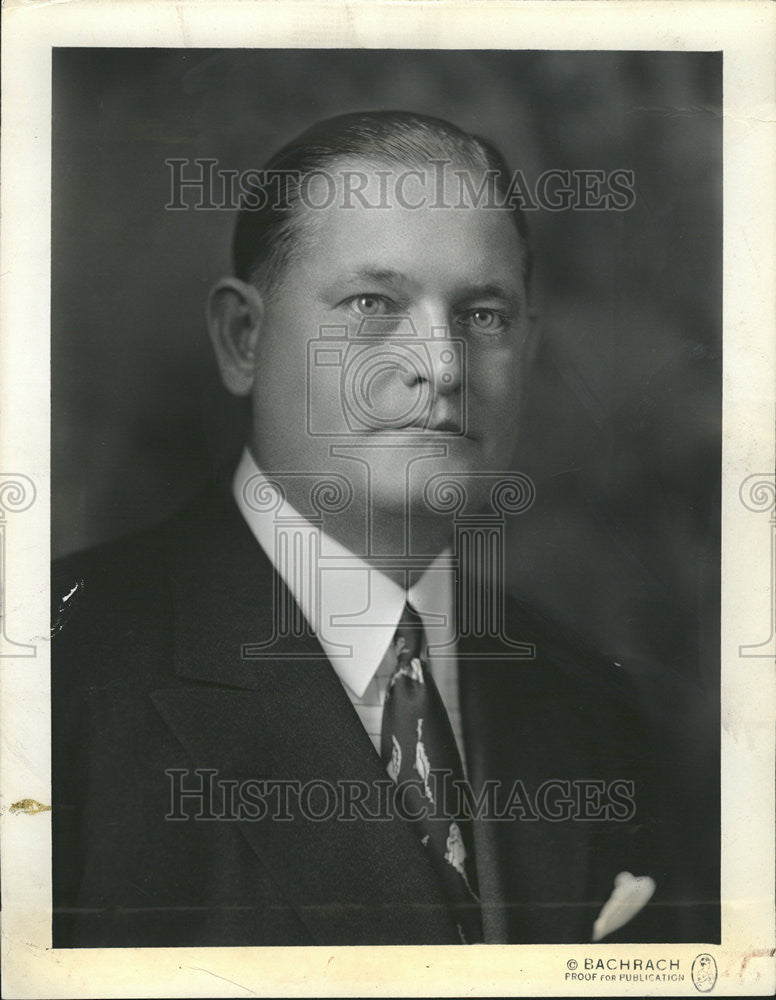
<point x="491" y="290"/>
<point x="389" y="276"/>
<point x="386" y="276"/>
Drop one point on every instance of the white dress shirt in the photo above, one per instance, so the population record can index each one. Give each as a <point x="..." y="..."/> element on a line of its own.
<point x="352" y="607"/>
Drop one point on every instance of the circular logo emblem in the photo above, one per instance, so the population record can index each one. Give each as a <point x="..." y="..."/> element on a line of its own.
<point x="367" y="396"/>
<point x="704" y="973"/>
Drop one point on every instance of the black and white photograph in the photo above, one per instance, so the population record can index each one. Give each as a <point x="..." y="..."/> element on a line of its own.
<point x="388" y="400"/>
<point x="392" y="609"/>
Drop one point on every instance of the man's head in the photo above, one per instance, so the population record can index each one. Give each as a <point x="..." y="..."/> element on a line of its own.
<point x="268" y="228"/>
<point x="379" y="305"/>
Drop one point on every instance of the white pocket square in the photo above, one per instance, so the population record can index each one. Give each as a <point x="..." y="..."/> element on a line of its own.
<point x="630" y="894"/>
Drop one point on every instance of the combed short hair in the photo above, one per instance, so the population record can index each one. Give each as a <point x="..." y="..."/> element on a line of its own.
<point x="267" y="229"/>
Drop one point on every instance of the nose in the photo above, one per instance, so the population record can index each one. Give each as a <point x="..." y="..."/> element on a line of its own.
<point x="439" y="353"/>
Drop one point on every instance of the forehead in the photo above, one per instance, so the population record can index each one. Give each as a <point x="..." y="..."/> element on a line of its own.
<point x="369" y="213"/>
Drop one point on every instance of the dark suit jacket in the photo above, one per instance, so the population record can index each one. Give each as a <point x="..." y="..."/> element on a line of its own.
<point x="148" y="676"/>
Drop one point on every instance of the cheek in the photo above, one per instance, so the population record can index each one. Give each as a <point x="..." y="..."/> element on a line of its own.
<point x="494" y="382"/>
<point x="282" y="353"/>
<point x="279" y="387"/>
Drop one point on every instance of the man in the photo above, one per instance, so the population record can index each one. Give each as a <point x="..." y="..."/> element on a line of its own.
<point x="302" y="711"/>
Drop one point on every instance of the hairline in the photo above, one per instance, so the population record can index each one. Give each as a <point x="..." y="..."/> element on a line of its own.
<point x="267" y="275"/>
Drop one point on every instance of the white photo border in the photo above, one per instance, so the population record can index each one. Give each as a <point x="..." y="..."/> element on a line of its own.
<point x="745" y="32"/>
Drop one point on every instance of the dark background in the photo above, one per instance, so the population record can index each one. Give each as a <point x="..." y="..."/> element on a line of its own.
<point x="622" y="437"/>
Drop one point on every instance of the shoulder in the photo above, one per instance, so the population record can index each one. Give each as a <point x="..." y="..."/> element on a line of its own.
<point x="90" y="584"/>
<point x="112" y="606"/>
<point x="110" y="617"/>
<point x="568" y="659"/>
<point x="656" y="701"/>
<point x="114" y="580"/>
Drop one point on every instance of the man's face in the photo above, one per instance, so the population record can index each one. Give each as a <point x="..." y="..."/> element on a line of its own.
<point x="399" y="336"/>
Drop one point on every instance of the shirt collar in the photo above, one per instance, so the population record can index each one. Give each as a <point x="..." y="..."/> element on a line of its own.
<point x="354" y="609"/>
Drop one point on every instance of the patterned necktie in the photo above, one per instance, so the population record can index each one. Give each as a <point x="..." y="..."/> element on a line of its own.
<point x="417" y="741"/>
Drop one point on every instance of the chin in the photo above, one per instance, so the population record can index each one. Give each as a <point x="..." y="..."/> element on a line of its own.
<point x="405" y="486"/>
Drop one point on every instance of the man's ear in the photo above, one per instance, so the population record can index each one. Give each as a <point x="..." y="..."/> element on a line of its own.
<point x="234" y="316"/>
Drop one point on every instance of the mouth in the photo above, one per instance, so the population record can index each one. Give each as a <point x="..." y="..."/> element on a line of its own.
<point x="436" y="427"/>
<point x="447" y="428"/>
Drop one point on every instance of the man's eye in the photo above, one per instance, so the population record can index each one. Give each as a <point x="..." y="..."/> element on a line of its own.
<point x="371" y="305"/>
<point x="484" y="320"/>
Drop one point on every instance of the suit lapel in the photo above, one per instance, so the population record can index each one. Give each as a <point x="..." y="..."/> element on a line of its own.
<point x="565" y="716"/>
<point x="285" y="718"/>
<point x="527" y="722"/>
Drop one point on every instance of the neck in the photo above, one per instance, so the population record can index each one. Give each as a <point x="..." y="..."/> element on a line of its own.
<point x="401" y="543"/>
<point x="401" y="548"/>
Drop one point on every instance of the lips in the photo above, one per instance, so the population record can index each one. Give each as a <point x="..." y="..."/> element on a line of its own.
<point x="438" y="427"/>
<point x="446" y="427"/>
